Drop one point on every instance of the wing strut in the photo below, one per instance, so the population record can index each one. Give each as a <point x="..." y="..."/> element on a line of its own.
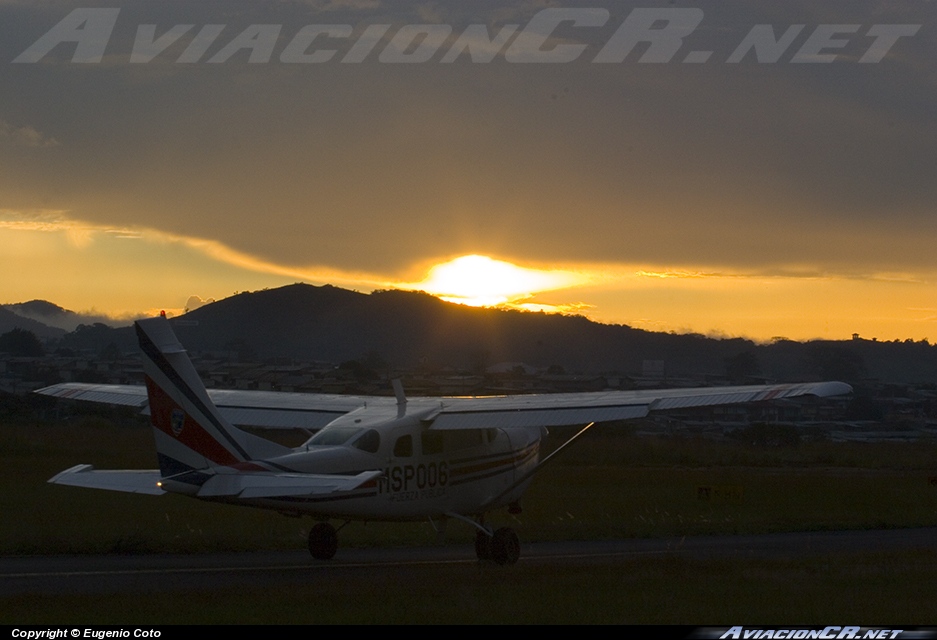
<point x="524" y="478"/>
<point x="401" y="397"/>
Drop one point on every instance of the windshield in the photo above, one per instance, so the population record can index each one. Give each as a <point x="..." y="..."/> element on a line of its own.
<point x="335" y="436"/>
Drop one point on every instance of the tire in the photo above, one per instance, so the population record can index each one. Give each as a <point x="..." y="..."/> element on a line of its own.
<point x="505" y="546"/>
<point x="323" y="541"/>
<point x="482" y="546"/>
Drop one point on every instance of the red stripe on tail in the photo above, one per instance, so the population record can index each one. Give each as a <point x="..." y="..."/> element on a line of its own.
<point x="191" y="434"/>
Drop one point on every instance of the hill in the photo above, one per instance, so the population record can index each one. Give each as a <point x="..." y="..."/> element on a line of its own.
<point x="10" y="321"/>
<point x="52" y="315"/>
<point x="409" y="329"/>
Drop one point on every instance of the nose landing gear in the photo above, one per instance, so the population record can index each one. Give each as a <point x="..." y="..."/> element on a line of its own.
<point x="323" y="541"/>
<point x="502" y="547"/>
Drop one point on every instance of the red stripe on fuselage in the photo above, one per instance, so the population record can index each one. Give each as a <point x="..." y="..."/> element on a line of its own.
<point x="507" y="463"/>
<point x="192" y="435"/>
<point x="512" y="459"/>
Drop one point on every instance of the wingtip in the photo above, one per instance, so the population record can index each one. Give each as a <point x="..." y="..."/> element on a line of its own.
<point x="833" y="388"/>
<point x="78" y="468"/>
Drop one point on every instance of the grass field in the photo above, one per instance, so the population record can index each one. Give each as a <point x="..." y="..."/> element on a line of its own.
<point x="611" y="485"/>
<point x="608" y="486"/>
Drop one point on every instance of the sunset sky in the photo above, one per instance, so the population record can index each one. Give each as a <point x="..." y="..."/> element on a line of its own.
<point x="755" y="198"/>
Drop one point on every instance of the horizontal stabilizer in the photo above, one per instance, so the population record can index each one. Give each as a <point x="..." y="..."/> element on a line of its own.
<point x="129" y="481"/>
<point x="256" y="485"/>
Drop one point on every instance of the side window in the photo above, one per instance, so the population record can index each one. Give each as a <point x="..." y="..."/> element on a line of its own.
<point x="431" y="442"/>
<point x="370" y="441"/>
<point x="403" y="448"/>
<point x="463" y="439"/>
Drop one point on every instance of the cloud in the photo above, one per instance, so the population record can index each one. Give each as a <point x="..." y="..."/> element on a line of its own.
<point x="326" y="6"/>
<point x="34" y="220"/>
<point x="520" y="11"/>
<point x="26" y="136"/>
<point x="431" y="13"/>
<point x="81" y="234"/>
<point x="473" y="279"/>
<point x="194" y="302"/>
<point x="55" y="316"/>
<point x="356" y="173"/>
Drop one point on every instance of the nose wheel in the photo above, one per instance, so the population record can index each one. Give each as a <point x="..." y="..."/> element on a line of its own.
<point x="503" y="547"/>
<point x="482" y="546"/>
<point x="323" y="541"/>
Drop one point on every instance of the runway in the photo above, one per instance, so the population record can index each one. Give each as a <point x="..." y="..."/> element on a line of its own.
<point x="161" y="573"/>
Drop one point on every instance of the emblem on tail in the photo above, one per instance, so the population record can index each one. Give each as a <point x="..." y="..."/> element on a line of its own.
<point x="191" y="433"/>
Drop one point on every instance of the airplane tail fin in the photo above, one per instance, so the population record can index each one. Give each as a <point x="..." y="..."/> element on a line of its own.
<point x="191" y="434"/>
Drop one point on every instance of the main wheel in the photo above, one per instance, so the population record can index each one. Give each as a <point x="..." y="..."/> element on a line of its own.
<point x="505" y="546"/>
<point x="323" y="541"/>
<point x="482" y="546"/>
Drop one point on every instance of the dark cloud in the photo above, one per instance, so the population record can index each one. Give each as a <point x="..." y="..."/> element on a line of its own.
<point x="373" y="166"/>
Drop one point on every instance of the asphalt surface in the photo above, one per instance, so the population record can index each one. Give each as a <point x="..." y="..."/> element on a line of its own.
<point x="159" y="573"/>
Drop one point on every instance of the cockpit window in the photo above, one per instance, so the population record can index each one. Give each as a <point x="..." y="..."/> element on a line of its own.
<point x="370" y="441"/>
<point x="335" y="436"/>
<point x="436" y="442"/>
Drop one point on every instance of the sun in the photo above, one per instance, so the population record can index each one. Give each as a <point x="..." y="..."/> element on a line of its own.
<point x="480" y="281"/>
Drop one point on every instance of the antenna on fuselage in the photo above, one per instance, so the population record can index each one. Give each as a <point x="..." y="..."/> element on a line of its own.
<point x="401" y="397"/>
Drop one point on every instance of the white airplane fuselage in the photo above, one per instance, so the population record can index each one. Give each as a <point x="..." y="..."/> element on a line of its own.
<point x="425" y="473"/>
<point x="374" y="459"/>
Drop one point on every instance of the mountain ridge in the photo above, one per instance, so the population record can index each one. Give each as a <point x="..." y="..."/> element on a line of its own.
<point x="407" y="330"/>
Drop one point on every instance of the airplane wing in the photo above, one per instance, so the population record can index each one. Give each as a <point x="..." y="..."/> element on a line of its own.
<point x="267" y="409"/>
<point x="566" y="409"/>
<point x="280" y="410"/>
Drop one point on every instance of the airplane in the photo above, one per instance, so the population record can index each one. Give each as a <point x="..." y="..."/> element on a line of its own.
<point x="370" y="458"/>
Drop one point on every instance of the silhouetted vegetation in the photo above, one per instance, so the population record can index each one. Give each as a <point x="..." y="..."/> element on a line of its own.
<point x="742" y="367"/>
<point x="95" y="337"/>
<point x="110" y="353"/>
<point x="358" y="370"/>
<point x="21" y="343"/>
<point x="244" y="351"/>
<point x="831" y="362"/>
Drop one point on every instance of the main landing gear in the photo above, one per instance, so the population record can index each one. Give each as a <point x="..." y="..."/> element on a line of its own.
<point x="502" y="547"/>
<point x="323" y="541"/>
